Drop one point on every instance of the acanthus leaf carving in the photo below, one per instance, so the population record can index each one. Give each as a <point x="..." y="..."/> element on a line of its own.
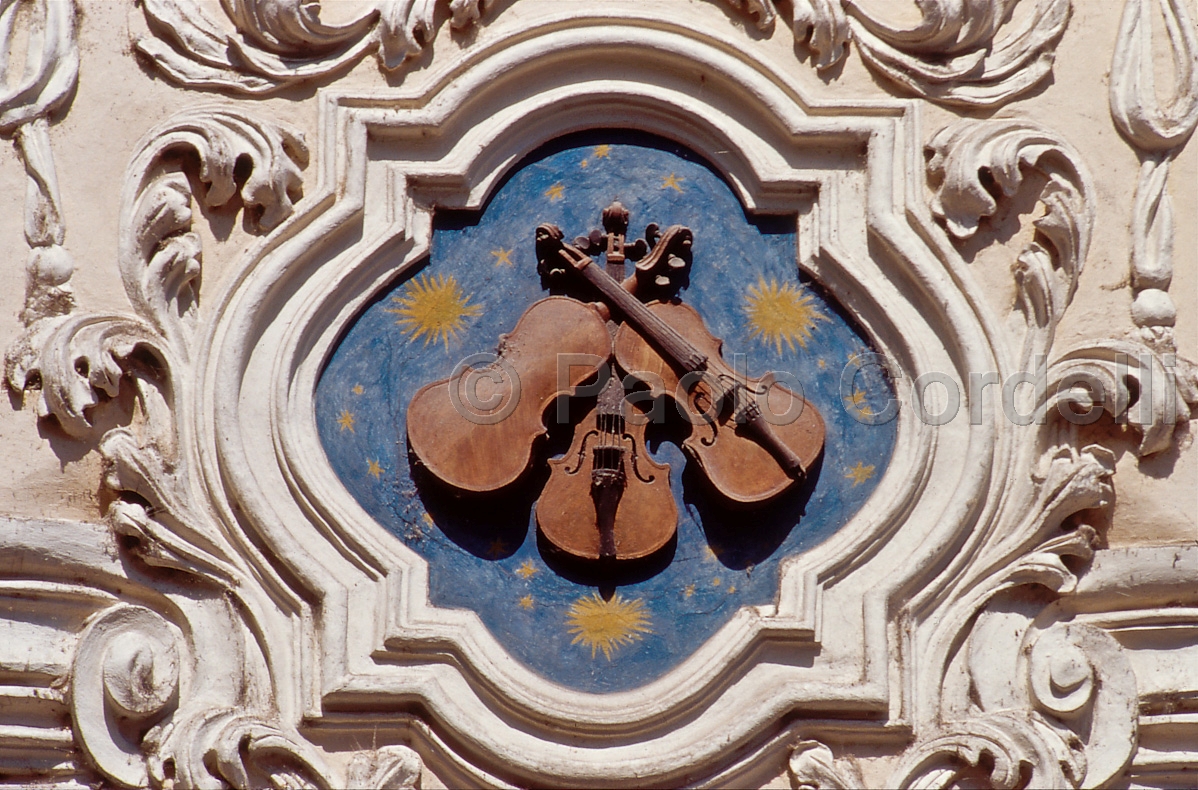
<point x="386" y="768"/>
<point x="159" y="255"/>
<point x="813" y="767"/>
<point x="1132" y="382"/>
<point x="1004" y="751"/>
<point x="965" y="53"/>
<point x="970" y="53"/>
<point x="1048" y="268"/>
<point x="264" y="45"/>
<point x="823" y="27"/>
<point x="72" y="364"/>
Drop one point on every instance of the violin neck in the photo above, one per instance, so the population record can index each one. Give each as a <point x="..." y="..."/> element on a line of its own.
<point x="683" y="354"/>
<point x="673" y="345"/>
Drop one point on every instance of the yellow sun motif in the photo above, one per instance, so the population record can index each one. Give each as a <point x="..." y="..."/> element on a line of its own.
<point x="433" y="308"/>
<point x="373" y="468"/>
<point x="346" y="420"/>
<point x="555" y="192"/>
<point x="526" y="602"/>
<point x="608" y="625"/>
<point x="780" y="314"/>
<point x="672" y="182"/>
<point x="860" y="473"/>
<point x="602" y="151"/>
<point x="358" y="389"/>
<point x="526" y="570"/>
<point x="502" y="256"/>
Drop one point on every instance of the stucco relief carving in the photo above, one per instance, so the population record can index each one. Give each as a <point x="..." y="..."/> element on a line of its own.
<point x="261" y="46"/>
<point x="962" y="53"/>
<point x="28" y="97"/>
<point x="968" y="53"/>
<point x="1012" y="660"/>
<point x="1159" y="131"/>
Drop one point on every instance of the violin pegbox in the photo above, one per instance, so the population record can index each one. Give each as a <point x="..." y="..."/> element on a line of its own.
<point x="666" y="269"/>
<point x="550" y="246"/>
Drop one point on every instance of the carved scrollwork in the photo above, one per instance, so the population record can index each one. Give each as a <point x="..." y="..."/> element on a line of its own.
<point x="1079" y="675"/>
<point x="264" y="45"/>
<point x="812" y="767"/>
<point x="973" y="53"/>
<point x="159" y="254"/>
<point x="1003" y="751"/>
<point x="999" y="151"/>
<point x="386" y="768"/>
<point x="75" y="363"/>
<point x="970" y="53"/>
<point x="126" y="679"/>
<point x="1132" y="382"/>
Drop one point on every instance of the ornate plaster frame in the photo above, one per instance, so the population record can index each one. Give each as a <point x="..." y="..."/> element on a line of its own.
<point x="261" y="442"/>
<point x="220" y="476"/>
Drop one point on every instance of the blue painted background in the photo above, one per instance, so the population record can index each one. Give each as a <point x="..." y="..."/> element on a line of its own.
<point x="723" y="559"/>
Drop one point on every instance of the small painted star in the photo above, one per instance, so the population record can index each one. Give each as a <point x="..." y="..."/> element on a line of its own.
<point x="526" y="602"/>
<point x="716" y="582"/>
<point x="358" y="389"/>
<point x="860" y="473"/>
<point x="428" y="520"/>
<point x="497" y="548"/>
<point x="373" y="468"/>
<point x="346" y="420"/>
<point x="585" y="163"/>
<point x="688" y="590"/>
<point x="672" y="182"/>
<point x="731" y="588"/>
<point x="857" y="401"/>
<point x="526" y="570"/>
<point x="502" y="256"/>
<point x="823" y="363"/>
<point x="555" y="192"/>
<point x="602" y="151"/>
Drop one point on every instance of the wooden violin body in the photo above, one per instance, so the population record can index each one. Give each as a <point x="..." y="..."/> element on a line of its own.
<point x="476" y="429"/>
<point x="607" y="498"/>
<point x="731" y="456"/>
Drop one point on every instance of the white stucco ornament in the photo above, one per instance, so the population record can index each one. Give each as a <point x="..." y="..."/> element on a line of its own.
<point x="241" y="620"/>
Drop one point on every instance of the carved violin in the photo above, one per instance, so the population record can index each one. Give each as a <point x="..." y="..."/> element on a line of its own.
<point x="753" y="437"/>
<point x="476" y="430"/>
<point x="607" y="498"/>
